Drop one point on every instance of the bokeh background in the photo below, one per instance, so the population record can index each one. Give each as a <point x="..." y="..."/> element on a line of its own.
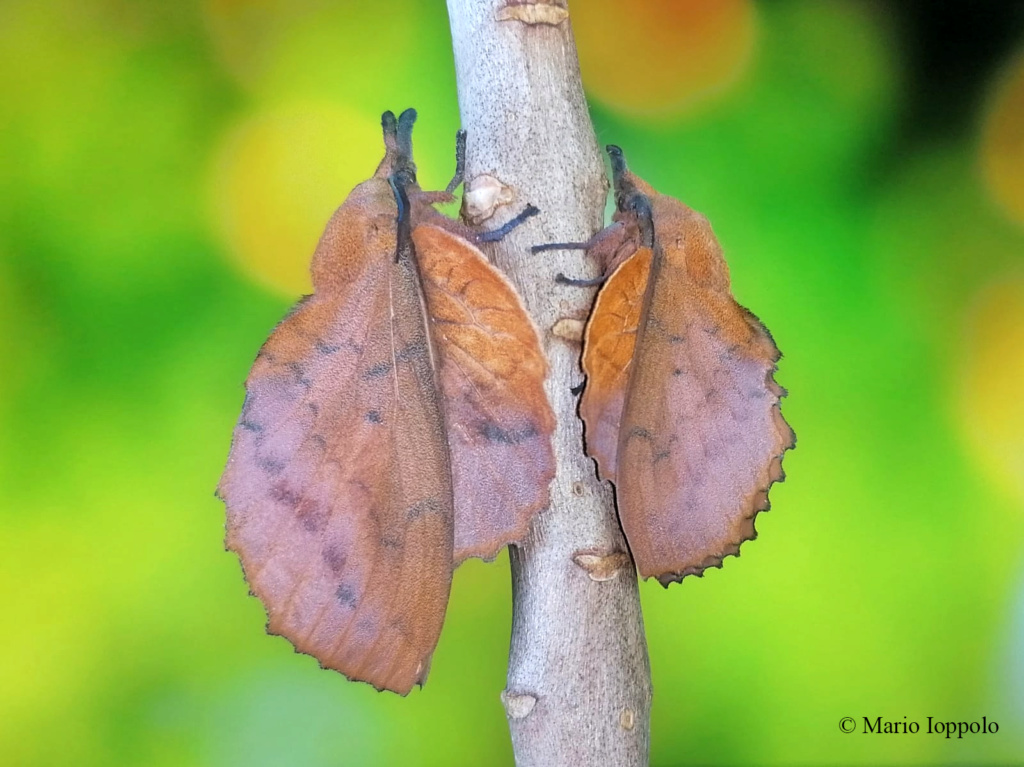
<point x="165" y="170"/>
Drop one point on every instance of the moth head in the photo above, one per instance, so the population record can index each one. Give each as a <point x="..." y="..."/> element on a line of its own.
<point x="631" y="201"/>
<point x="397" y="144"/>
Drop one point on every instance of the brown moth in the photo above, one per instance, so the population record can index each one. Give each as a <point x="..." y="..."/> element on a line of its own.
<point x="680" y="405"/>
<point x="394" y="423"/>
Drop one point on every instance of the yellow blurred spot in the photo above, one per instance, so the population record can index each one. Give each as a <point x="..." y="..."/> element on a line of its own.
<point x="278" y="177"/>
<point x="991" y="401"/>
<point x="1002" y="150"/>
<point x="661" y="56"/>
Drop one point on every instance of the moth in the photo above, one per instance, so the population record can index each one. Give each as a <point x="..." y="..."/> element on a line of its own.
<point x="680" y="406"/>
<point x="395" y="424"/>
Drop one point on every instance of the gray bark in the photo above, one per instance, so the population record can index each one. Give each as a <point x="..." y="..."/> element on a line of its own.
<point x="579" y="688"/>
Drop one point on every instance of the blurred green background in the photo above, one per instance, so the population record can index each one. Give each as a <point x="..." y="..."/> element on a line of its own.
<point x="165" y="170"/>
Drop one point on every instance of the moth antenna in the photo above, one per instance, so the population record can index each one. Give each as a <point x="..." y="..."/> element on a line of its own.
<point x="618" y="161"/>
<point x="406" y="120"/>
<point x="460" y="162"/>
<point x="389" y="126"/>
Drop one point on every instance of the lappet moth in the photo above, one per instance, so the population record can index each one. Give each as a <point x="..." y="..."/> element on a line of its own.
<point x="681" y="408"/>
<point x="411" y="371"/>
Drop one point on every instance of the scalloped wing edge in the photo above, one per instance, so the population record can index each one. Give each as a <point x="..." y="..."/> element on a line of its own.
<point x="758" y="500"/>
<point x="271" y="631"/>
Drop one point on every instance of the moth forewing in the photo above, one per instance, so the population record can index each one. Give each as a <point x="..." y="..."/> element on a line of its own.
<point x="338" y="488"/>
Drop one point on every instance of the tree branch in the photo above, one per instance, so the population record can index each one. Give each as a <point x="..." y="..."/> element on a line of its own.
<point x="579" y="687"/>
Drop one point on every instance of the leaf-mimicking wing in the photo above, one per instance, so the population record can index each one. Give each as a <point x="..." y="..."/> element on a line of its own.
<point x="608" y="345"/>
<point x="338" y="486"/>
<point x="492" y="374"/>
<point x="702" y="436"/>
<point x="685" y="384"/>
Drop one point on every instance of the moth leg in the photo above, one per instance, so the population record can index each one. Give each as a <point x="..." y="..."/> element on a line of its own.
<point x="434" y="198"/>
<point x="610" y="233"/>
<point x="460" y="162"/>
<point x="561" y="279"/>
<point x="496" y="234"/>
<point x="561" y="246"/>
<point x="448" y="193"/>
